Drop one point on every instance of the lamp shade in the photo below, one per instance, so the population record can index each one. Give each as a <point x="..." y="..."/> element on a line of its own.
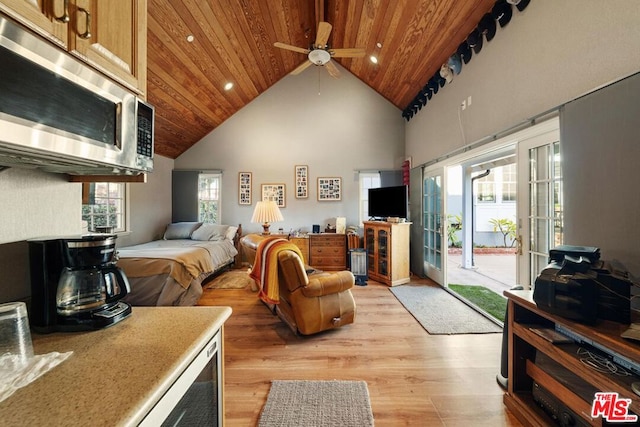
<point x="266" y="211"/>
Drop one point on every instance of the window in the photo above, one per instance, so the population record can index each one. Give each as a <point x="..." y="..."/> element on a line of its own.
<point x="367" y="180"/>
<point x="486" y="189"/>
<point x="209" y="185"/>
<point x="103" y="205"/>
<point x="509" y="184"/>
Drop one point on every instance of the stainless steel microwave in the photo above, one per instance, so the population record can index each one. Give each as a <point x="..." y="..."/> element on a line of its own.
<point x="60" y="115"/>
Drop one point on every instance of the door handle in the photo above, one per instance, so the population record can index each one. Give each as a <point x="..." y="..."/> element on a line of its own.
<point x="519" y="245"/>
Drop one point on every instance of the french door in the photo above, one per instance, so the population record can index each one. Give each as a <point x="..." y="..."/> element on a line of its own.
<point x="539" y="201"/>
<point x="433" y="225"/>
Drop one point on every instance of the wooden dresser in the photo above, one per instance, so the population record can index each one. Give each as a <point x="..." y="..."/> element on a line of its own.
<point x="303" y="244"/>
<point x="328" y="251"/>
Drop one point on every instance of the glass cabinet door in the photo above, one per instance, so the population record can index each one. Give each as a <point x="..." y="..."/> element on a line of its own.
<point x="369" y="239"/>
<point x="383" y="261"/>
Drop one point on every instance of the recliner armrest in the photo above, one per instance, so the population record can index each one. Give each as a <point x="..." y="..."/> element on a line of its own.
<point x="328" y="284"/>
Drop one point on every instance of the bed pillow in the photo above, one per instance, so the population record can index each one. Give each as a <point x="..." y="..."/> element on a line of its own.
<point x="180" y="230"/>
<point x="212" y="232"/>
<point x="231" y="232"/>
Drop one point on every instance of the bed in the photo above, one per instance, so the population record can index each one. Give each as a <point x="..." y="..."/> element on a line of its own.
<point x="171" y="271"/>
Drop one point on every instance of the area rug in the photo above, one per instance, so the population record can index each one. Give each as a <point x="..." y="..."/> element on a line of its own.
<point x="440" y="313"/>
<point x="232" y="279"/>
<point x="293" y="403"/>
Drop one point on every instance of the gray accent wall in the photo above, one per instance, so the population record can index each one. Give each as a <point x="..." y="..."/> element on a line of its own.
<point x="335" y="126"/>
<point x="600" y="148"/>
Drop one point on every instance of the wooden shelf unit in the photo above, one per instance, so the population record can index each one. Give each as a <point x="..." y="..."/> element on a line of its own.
<point x="387" y="246"/>
<point x="532" y="359"/>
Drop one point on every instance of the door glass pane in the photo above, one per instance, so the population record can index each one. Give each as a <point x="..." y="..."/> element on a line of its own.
<point x="546" y="210"/>
<point x="433" y="213"/>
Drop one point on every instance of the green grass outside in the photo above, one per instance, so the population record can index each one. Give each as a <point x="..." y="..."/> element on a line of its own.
<point x="486" y="299"/>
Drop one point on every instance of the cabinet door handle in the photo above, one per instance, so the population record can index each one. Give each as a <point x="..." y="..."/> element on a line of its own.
<point x="65" y="13"/>
<point x="87" y="32"/>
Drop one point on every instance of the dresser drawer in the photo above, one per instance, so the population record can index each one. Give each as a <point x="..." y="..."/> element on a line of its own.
<point x="328" y="251"/>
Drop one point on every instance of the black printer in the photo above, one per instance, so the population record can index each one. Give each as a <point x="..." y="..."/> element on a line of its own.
<point x="579" y="286"/>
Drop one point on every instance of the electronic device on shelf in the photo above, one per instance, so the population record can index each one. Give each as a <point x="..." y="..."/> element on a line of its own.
<point x="577" y="285"/>
<point x="557" y="410"/>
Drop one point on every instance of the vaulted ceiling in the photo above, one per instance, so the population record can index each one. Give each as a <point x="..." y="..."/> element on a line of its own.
<point x="233" y="41"/>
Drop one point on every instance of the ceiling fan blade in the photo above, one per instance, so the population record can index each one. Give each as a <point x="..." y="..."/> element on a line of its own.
<point x="300" y="68"/>
<point x="332" y="69"/>
<point x="353" y="52"/>
<point x="292" y="48"/>
<point x="324" y="29"/>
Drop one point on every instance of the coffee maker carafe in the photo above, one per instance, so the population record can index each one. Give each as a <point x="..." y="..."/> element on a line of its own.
<point x="75" y="284"/>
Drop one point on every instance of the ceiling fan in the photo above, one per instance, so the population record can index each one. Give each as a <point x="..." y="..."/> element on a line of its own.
<point x="320" y="53"/>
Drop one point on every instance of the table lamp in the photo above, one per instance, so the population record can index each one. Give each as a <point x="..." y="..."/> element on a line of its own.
<point x="266" y="212"/>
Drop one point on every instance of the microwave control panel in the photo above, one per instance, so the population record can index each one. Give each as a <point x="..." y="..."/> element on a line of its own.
<point x="145" y="130"/>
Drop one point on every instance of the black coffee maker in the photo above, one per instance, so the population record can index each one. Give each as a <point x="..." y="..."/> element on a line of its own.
<point x="75" y="284"/>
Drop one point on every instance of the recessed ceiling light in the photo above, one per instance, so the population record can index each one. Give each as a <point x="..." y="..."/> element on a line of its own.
<point x="190" y="38"/>
<point x="228" y="86"/>
<point x="373" y="59"/>
<point x="379" y="45"/>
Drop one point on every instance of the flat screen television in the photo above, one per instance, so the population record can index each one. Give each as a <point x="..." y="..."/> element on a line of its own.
<point x="387" y="202"/>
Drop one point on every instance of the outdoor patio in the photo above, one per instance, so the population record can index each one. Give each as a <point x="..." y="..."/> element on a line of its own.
<point x="493" y="271"/>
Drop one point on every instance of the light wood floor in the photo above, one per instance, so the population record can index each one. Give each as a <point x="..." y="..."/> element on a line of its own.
<point x="414" y="379"/>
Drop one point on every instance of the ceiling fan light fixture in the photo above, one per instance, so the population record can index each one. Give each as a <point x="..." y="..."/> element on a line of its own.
<point x="319" y="56"/>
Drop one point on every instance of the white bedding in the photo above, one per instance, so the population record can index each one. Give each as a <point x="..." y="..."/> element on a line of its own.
<point x="170" y="272"/>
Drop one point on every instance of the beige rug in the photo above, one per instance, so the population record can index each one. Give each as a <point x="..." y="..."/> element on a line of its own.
<point x="232" y="279"/>
<point x="317" y="403"/>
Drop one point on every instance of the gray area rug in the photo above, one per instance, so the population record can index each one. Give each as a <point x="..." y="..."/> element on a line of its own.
<point x="440" y="313"/>
<point x="293" y="403"/>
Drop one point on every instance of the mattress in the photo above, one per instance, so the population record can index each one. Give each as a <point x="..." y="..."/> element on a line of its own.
<point x="171" y="272"/>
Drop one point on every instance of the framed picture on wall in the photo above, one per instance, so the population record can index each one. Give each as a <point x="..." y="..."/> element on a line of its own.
<point x="277" y="192"/>
<point x="302" y="181"/>
<point x="244" y="188"/>
<point x="329" y="188"/>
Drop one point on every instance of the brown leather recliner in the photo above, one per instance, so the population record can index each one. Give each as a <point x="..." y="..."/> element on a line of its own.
<point x="308" y="303"/>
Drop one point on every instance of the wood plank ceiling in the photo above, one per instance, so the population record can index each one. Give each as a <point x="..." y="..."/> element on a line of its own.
<point x="233" y="42"/>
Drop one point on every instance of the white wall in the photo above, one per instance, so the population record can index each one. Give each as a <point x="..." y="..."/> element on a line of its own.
<point x="335" y="126"/>
<point x="549" y="54"/>
<point x="37" y="204"/>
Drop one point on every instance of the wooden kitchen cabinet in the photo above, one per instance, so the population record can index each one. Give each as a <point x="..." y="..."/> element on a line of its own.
<point x="328" y="251"/>
<point x="110" y="36"/>
<point x="387" y="246"/>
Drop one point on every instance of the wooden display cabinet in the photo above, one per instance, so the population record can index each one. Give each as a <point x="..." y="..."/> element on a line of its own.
<point x="387" y="246"/>
<point x="544" y="363"/>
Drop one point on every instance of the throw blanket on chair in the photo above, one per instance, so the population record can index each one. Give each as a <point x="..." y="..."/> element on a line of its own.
<point x="265" y="267"/>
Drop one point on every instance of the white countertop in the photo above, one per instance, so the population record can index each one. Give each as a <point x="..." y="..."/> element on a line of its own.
<point x="115" y="375"/>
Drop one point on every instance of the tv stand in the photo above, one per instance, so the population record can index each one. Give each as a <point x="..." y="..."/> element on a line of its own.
<point x="387" y="246"/>
<point x="547" y="375"/>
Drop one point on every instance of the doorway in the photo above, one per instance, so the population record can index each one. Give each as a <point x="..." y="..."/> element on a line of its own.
<point x="491" y="215"/>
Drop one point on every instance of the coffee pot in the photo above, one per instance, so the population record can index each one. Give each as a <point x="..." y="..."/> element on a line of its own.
<point x="75" y="284"/>
<point x="89" y="289"/>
